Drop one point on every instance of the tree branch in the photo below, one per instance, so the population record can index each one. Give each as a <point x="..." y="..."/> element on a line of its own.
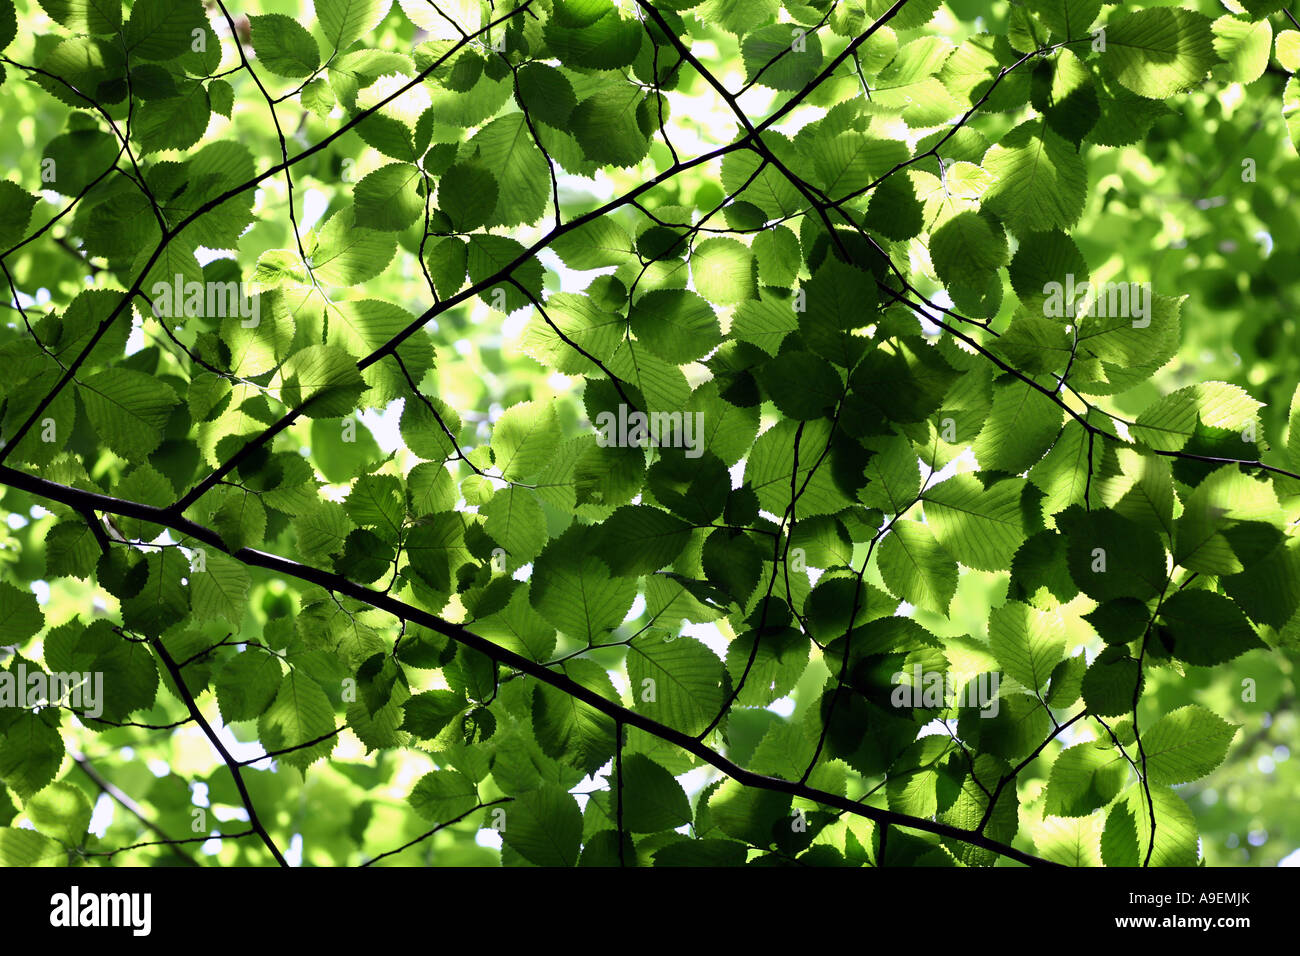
<point x="231" y="764"/>
<point x="77" y="497"/>
<point x="130" y="806"/>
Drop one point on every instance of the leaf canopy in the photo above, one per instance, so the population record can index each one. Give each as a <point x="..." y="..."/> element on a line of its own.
<point x="592" y="434"/>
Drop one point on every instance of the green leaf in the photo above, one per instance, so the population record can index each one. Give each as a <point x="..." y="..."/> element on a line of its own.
<point x="1144" y="492"/>
<point x="1068" y="19"/>
<point x="70" y="549"/>
<point x="1125" y="117"/>
<point x="1070" y="842"/>
<point x="893" y="479"/>
<point x="1291" y="110"/>
<point x="240" y="518"/>
<point x="652" y="799"/>
<point x="608" y="43"/>
<point x="516" y="521"/>
<point x="573" y="589"/>
<point x="428" y="713"/>
<point x="1110" y="682"/>
<point x="750" y="814"/>
<point x="640" y="539"/>
<point x="803" y="386"/>
<point x="164" y="599"/>
<point x="174" y="122"/>
<point x="491" y="258"/>
<point x="86" y="16"/>
<point x="20" y="616"/>
<point x="1129" y="348"/>
<point x="436" y="548"/>
<point x="1185" y="745"/>
<point x="376" y="501"/>
<point x="711" y="853"/>
<point x="283" y="46"/>
<point x="1045" y="258"/>
<point x="906" y="384"/>
<point x="1042" y="183"/>
<point x="1121" y="620"/>
<point x="1287" y="49"/>
<point x="607" y="127"/>
<point x="766" y="322"/>
<point x="723" y="271"/>
<point x="20" y="847"/>
<point x="676" y="681"/>
<point x="467" y="193"/>
<point x="162" y="29"/>
<point x="1119" y="838"/>
<point x="598" y="243"/>
<point x="30" y="753"/>
<point x="78" y="158"/>
<point x="62" y="811"/>
<point x="916" y="568"/>
<point x="1066" y="683"/>
<point x="1083" y="778"/>
<point x="908" y="83"/>
<point x="770" y="465"/>
<point x="980" y="527"/>
<point x="913" y="784"/>
<point x="544" y="826"/>
<point x="1040" y="564"/>
<point x="1244" y="45"/>
<point x="525" y="438"/>
<point x="1070" y="102"/>
<point x="1169" y="423"/>
<point x="570" y="730"/>
<point x="422" y="431"/>
<point x="127" y="670"/>
<point x="676" y="324"/>
<point x="893" y="210"/>
<point x="779" y="661"/>
<point x="1020" y="724"/>
<point x="219" y="592"/>
<point x="16" y="206"/>
<point x="780" y="56"/>
<point x="838" y="300"/>
<point x="346" y="253"/>
<point x="247" y="684"/>
<point x="848" y="162"/>
<point x="1022" y="425"/>
<point x="735" y="16"/>
<point x="325" y="376"/>
<point x="732" y="563"/>
<point x="547" y="95"/>
<point x="1027" y="642"/>
<point x="315" y="96"/>
<point x="520" y="628"/>
<point x="505" y="147"/>
<point x="9" y="23"/>
<point x="346" y="21"/>
<point x="1206" y="628"/>
<point x="442" y="795"/>
<point x="971" y="74"/>
<point x="728" y="430"/>
<point x="389" y="198"/>
<point x="968" y="249"/>
<point x="299" y="714"/>
<point x="767" y="188"/>
<point x="1111" y="557"/>
<point x="1157" y="53"/>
